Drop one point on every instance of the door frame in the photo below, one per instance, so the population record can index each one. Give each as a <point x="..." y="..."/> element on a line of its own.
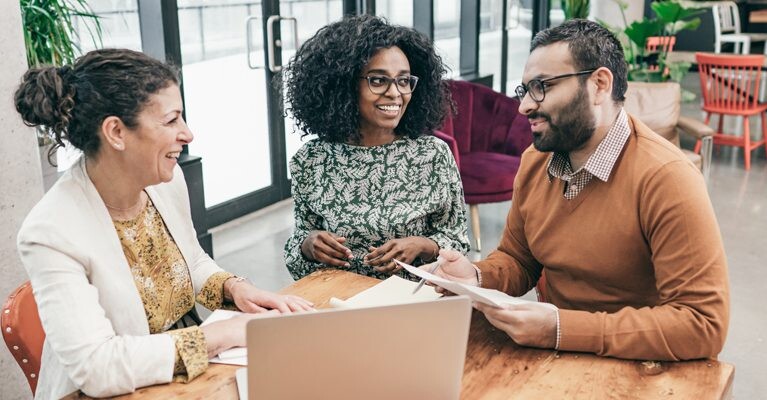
<point x="280" y="186"/>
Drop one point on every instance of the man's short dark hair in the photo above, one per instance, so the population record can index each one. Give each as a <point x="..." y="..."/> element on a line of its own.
<point x="591" y="46"/>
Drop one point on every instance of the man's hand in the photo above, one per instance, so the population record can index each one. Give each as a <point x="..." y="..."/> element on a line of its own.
<point x="327" y="248"/>
<point x="530" y="324"/>
<point x="381" y="258"/>
<point x="455" y="267"/>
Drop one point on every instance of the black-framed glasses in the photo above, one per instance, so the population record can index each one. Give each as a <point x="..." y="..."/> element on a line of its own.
<point x="536" y="88"/>
<point x="379" y="84"/>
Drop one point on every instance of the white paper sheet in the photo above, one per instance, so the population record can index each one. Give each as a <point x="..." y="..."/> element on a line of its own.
<point x="241" y="377"/>
<point x="393" y="290"/>
<point x="487" y="296"/>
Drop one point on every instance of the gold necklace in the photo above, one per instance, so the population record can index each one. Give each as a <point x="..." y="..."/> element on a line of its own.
<point x="131" y="208"/>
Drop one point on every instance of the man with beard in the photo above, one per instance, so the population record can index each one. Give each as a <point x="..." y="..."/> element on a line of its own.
<point x="613" y="215"/>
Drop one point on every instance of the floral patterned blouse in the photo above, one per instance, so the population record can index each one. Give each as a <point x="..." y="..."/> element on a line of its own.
<point x="410" y="187"/>
<point x="163" y="281"/>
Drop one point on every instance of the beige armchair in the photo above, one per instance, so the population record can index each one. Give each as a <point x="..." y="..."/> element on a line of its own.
<point x="658" y="106"/>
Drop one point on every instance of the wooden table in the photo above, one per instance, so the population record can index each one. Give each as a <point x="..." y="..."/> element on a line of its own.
<point x="496" y="368"/>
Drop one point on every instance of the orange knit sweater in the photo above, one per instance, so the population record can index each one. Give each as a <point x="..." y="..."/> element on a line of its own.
<point x="635" y="264"/>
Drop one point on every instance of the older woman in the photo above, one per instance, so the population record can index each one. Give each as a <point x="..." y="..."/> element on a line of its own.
<point x="110" y="250"/>
<point x="374" y="185"/>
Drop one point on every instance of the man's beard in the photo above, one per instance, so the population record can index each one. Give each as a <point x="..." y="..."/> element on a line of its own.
<point x="573" y="128"/>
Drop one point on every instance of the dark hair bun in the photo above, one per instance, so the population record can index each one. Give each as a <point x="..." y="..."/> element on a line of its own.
<point x="72" y="101"/>
<point x="44" y="98"/>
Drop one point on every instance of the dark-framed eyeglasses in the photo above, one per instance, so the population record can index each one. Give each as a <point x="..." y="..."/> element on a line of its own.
<point x="379" y="84"/>
<point x="536" y="88"/>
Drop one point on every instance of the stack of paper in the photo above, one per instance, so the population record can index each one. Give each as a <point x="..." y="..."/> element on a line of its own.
<point x="488" y="296"/>
<point x="393" y="290"/>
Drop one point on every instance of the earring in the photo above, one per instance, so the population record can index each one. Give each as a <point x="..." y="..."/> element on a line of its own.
<point x="118" y="146"/>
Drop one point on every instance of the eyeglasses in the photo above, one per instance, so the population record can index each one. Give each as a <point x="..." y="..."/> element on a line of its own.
<point x="379" y="84"/>
<point x="536" y="88"/>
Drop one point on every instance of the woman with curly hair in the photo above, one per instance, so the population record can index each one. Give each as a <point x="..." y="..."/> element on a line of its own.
<point x="374" y="185"/>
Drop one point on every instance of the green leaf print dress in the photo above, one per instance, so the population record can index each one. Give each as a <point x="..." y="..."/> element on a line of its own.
<point x="410" y="187"/>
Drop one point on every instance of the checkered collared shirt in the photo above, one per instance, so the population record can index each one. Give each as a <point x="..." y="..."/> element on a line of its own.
<point x="599" y="165"/>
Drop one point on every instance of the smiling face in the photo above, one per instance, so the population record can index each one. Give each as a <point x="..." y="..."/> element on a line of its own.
<point x="564" y="120"/>
<point x="153" y="147"/>
<point x="381" y="113"/>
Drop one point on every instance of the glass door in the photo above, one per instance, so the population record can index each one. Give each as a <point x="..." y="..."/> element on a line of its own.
<point x="506" y="29"/>
<point x="231" y="51"/>
<point x="556" y="13"/>
<point x="300" y="20"/>
<point x="447" y="34"/>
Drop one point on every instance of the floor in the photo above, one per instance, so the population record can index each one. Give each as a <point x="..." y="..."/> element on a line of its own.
<point x="252" y="246"/>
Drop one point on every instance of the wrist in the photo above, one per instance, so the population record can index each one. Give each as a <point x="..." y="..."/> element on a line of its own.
<point x="558" y="337"/>
<point x="215" y="340"/>
<point x="306" y="248"/>
<point x="230" y="286"/>
<point x="429" y="249"/>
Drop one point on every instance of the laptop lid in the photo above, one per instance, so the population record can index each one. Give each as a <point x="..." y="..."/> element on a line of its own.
<point x="405" y="351"/>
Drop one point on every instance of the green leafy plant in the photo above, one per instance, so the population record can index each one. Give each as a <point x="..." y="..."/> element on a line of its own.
<point x="49" y="31"/>
<point x="49" y="36"/>
<point x="671" y="18"/>
<point x="575" y="8"/>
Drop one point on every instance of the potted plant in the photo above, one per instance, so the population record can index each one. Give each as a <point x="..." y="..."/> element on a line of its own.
<point x="651" y="66"/>
<point x="575" y="8"/>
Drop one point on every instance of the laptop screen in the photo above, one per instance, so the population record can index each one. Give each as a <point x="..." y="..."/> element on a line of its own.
<point x="414" y="350"/>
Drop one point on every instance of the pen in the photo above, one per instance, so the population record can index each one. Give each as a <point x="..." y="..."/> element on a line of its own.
<point x="431" y="271"/>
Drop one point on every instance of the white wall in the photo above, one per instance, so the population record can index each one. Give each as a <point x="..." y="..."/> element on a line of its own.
<point x="20" y="179"/>
<point x="608" y="11"/>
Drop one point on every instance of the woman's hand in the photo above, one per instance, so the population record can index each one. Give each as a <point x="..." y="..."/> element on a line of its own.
<point x="327" y="248"/>
<point x="223" y="335"/>
<point x="405" y="249"/>
<point x="251" y="299"/>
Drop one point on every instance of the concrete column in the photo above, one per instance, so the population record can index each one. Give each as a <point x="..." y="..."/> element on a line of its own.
<point x="21" y="183"/>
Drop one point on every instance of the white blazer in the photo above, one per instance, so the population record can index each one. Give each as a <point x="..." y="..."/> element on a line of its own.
<point x="97" y="335"/>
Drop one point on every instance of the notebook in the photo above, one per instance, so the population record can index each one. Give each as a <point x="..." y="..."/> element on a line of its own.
<point x="402" y="351"/>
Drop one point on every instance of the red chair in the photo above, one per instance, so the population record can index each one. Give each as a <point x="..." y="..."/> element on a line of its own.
<point x="730" y="86"/>
<point x="659" y="44"/>
<point x="488" y="136"/>
<point x="23" y="332"/>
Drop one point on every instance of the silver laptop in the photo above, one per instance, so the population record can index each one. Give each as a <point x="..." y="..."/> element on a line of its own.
<point x="407" y="351"/>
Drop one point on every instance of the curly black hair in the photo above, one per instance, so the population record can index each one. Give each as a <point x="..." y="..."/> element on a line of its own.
<point x="322" y="85"/>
